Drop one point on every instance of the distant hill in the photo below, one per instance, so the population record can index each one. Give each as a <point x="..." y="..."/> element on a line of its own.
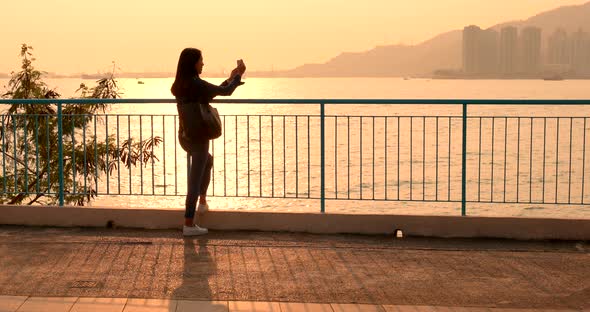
<point x="394" y="60"/>
<point x="441" y="52"/>
<point x="571" y="18"/>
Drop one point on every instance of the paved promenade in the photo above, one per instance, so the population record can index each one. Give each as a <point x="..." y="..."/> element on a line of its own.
<point x="52" y="269"/>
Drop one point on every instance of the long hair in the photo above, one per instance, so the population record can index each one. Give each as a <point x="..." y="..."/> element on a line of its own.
<point x="185" y="71"/>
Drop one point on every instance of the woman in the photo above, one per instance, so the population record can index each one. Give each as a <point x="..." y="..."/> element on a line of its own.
<point x="190" y="90"/>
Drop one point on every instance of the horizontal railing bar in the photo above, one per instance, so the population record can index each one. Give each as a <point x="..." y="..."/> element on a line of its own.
<point x="327" y="198"/>
<point x="404" y="101"/>
<point x="310" y="101"/>
<point x="528" y="203"/>
<point x="454" y="201"/>
<point x="330" y="116"/>
<point x="87" y="101"/>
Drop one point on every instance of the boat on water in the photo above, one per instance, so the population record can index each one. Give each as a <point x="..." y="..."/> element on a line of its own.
<point x="140" y="82"/>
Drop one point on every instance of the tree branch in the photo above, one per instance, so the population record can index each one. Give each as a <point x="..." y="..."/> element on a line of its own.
<point x="21" y="196"/>
<point x="18" y="161"/>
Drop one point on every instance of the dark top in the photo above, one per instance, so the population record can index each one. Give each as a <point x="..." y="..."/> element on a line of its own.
<point x="200" y="92"/>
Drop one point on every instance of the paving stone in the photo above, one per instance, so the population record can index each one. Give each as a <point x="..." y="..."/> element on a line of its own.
<point x="202" y="306"/>
<point x="254" y="306"/>
<point x="11" y="303"/>
<point x="421" y="308"/>
<point x="357" y="308"/>
<point x="99" y="305"/>
<point x="304" y="307"/>
<point x="48" y="304"/>
<point x="150" y="305"/>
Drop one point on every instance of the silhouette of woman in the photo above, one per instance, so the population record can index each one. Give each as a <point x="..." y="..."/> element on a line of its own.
<point x="190" y="90"/>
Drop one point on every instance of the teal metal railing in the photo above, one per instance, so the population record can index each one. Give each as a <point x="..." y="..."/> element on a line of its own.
<point x="527" y="157"/>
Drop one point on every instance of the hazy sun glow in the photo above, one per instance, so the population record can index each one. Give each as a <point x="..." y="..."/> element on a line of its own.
<point x="147" y="36"/>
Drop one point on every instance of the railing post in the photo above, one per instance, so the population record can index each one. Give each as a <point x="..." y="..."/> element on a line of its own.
<point x="464" y="161"/>
<point x="60" y="153"/>
<point x="323" y="159"/>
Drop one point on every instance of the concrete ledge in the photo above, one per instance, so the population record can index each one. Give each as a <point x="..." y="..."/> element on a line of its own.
<point x="430" y="226"/>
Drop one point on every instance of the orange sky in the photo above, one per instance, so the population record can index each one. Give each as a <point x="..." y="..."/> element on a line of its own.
<point x="85" y="36"/>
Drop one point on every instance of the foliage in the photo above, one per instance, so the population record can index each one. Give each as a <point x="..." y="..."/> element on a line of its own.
<point x="29" y="135"/>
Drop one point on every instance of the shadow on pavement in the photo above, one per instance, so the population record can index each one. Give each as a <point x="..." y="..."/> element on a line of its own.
<point x="194" y="292"/>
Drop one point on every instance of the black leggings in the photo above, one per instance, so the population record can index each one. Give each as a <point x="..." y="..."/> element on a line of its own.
<point x="199" y="176"/>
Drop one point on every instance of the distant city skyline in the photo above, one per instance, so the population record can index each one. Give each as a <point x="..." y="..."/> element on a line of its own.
<point x="513" y="51"/>
<point x="81" y="37"/>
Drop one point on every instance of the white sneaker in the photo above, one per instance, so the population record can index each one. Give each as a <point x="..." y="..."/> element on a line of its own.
<point x="202" y="208"/>
<point x="193" y="230"/>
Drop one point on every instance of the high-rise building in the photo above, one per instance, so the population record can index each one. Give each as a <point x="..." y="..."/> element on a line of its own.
<point x="531" y="50"/>
<point x="558" y="48"/>
<point x="488" y="62"/>
<point x="471" y="50"/>
<point x="480" y="50"/>
<point x="508" y="52"/>
<point x="580" y="52"/>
